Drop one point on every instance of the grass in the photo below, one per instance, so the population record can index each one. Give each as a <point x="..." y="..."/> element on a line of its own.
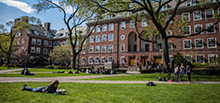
<point x="5" y="68"/>
<point x="113" y="93"/>
<point x="153" y="76"/>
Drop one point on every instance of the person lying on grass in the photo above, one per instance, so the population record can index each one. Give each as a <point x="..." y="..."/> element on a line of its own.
<point x="51" y="88"/>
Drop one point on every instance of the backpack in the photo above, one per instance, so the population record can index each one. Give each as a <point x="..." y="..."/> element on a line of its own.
<point x="150" y="84"/>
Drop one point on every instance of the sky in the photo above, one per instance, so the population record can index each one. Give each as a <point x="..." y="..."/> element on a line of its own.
<point x="12" y="9"/>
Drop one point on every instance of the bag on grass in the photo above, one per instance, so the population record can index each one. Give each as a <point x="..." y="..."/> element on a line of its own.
<point x="150" y="84"/>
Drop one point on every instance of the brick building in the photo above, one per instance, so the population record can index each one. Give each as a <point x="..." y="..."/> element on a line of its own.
<point x="115" y="39"/>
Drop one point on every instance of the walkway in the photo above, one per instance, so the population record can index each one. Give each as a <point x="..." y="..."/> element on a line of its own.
<point x="75" y="79"/>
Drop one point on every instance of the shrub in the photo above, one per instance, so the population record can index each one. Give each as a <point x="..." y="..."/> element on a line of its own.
<point x="49" y="67"/>
<point x="121" y="71"/>
<point x="206" y="72"/>
<point x="197" y="65"/>
<point x="56" y="67"/>
<point x="151" y="71"/>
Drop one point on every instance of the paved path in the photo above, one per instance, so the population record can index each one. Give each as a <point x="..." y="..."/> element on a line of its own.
<point x="75" y="79"/>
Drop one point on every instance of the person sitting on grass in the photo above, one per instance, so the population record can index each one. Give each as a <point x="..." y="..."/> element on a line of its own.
<point x="22" y="72"/>
<point x="27" y="72"/>
<point x="51" y="88"/>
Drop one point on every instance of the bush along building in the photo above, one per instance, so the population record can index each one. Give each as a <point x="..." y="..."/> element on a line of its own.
<point x="115" y="39"/>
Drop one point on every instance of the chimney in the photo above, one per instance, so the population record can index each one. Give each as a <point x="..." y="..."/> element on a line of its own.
<point x="47" y="26"/>
<point x="25" y="19"/>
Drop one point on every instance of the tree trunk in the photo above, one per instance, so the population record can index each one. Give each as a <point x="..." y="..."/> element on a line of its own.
<point x="165" y="52"/>
<point x="74" y="61"/>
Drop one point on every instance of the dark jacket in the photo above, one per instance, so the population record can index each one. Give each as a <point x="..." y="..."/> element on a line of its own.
<point x="50" y="89"/>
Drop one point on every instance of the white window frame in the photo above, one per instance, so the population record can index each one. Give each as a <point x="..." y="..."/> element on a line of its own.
<point x="37" y="50"/>
<point x="190" y="43"/>
<point x="168" y="33"/>
<point x="103" y="46"/>
<point x="33" y="50"/>
<point x="189" y="30"/>
<point x="169" y="45"/>
<point x="91" y="40"/>
<point x="98" y="28"/>
<point x="92" y="28"/>
<point x="109" y="47"/>
<point x="95" y="60"/>
<point x="45" y="51"/>
<point x="104" y="36"/>
<point x="38" y="41"/>
<point x="208" y="43"/>
<point x="82" y="61"/>
<point x="33" y="41"/>
<point x="207" y="25"/>
<point x="45" y="43"/>
<point x="197" y="26"/>
<point x="122" y="37"/>
<point x="98" y="40"/>
<point x="50" y="43"/>
<point x="196" y="43"/>
<point x="123" y="26"/>
<point x="122" y="57"/>
<point x="187" y="17"/>
<point x="111" y="27"/>
<point x="110" y="36"/>
<point x="89" y="60"/>
<point x="97" y="49"/>
<point x="206" y="14"/>
<point x="104" y="27"/>
<point x="168" y="17"/>
<point x="102" y="61"/>
<point x="109" y="59"/>
<point x="203" y="61"/>
<point x="211" y="55"/>
<point x="132" y="24"/>
<point x="144" y="22"/>
<point x="121" y="48"/>
<point x="23" y="41"/>
<point x="18" y="41"/>
<point x="199" y="15"/>
<point x="92" y="48"/>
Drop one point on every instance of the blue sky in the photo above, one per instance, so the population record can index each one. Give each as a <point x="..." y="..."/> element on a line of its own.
<point x="12" y="9"/>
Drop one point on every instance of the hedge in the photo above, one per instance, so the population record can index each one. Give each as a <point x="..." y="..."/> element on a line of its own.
<point x="151" y="71"/>
<point x="121" y="71"/>
<point x="206" y="72"/>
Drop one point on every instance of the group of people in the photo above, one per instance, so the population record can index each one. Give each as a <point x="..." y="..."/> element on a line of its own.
<point x="180" y="70"/>
<point x="98" y="71"/>
<point x="25" y="71"/>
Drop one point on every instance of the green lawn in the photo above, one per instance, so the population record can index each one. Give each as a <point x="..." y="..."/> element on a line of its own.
<point x="113" y="93"/>
<point x="153" y="76"/>
<point x="5" y="68"/>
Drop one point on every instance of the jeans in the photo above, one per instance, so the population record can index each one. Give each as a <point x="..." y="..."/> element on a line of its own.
<point x="39" y="89"/>
<point x="176" y="77"/>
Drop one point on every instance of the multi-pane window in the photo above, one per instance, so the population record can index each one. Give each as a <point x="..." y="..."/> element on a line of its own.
<point x="111" y="26"/>
<point x="212" y="43"/>
<point x="103" y="60"/>
<point x="186" y="16"/>
<point x="50" y="43"/>
<point x="38" y="50"/>
<point x="122" y="60"/>
<point x="197" y="15"/>
<point x="188" y="58"/>
<point x="38" y="41"/>
<point x="110" y="59"/>
<point x="45" y="43"/>
<point x="122" y="47"/>
<point x="110" y="37"/>
<point x="33" y="41"/>
<point x="110" y="48"/>
<point x="97" y="48"/>
<point x="211" y="28"/>
<point x="170" y="45"/>
<point x="45" y="51"/>
<point x="92" y="29"/>
<point x="168" y="17"/>
<point x="199" y="43"/>
<point x="132" y="24"/>
<point x="104" y="27"/>
<point x="32" y="49"/>
<point x="96" y="60"/>
<point x="91" y="40"/>
<point x="103" y="48"/>
<point x="122" y="25"/>
<point x="212" y="58"/>
<point x="186" y="30"/>
<point x="108" y="17"/>
<point x="200" y="58"/>
<point x="48" y="52"/>
<point x="195" y="2"/>
<point x="83" y="61"/>
<point x="23" y="41"/>
<point x="98" y="28"/>
<point x="104" y="38"/>
<point x="198" y="28"/>
<point x="187" y="44"/>
<point x="209" y="14"/>
<point x="97" y="38"/>
<point x="144" y="22"/>
<point x="90" y="60"/>
<point x="18" y="41"/>
<point x="90" y="49"/>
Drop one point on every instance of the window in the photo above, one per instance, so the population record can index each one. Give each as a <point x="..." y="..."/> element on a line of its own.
<point x="111" y="26"/>
<point x="45" y="43"/>
<point x="195" y="2"/>
<point x="186" y="30"/>
<point x="199" y="43"/>
<point x="19" y="34"/>
<point x="168" y="17"/>
<point x="90" y="49"/>
<point x="63" y="42"/>
<point x="83" y="61"/>
<point x="45" y="51"/>
<point x="48" y="52"/>
<point x="186" y="17"/>
<point x="187" y="44"/>
<point x="38" y="41"/>
<point x="103" y="60"/>
<point x="97" y="38"/>
<point x="110" y="59"/>
<point x="50" y="43"/>
<point x="103" y="48"/>
<point x="96" y="60"/>
<point x="91" y="40"/>
<point x="104" y="27"/>
<point x="104" y="38"/>
<point x="200" y="58"/>
<point x="122" y="37"/>
<point x="169" y="33"/>
<point x="212" y="58"/>
<point x="92" y="27"/>
<point x="122" y="47"/>
<point x="97" y="48"/>
<point x="132" y="24"/>
<point x="209" y="14"/>
<point x="90" y="60"/>
<point x="108" y="17"/>
<point x="122" y="25"/>
<point x="18" y="41"/>
<point x="83" y="51"/>
<point x="23" y="41"/>
<point x="98" y="28"/>
<point x="188" y="58"/>
<point x="110" y="37"/>
<point x="170" y="45"/>
<point x="188" y="3"/>
<point x="211" y="27"/>
<point x="38" y="50"/>
<point x="198" y="28"/>
<point x="32" y="49"/>
<point x="122" y="60"/>
<point x="33" y="41"/>
<point x="214" y="1"/>
<point x="110" y="48"/>
<point x="212" y="43"/>
<point x="144" y="22"/>
<point x="31" y="57"/>
<point x="197" y="15"/>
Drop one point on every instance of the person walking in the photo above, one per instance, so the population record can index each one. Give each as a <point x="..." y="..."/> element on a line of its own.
<point x="168" y="71"/>
<point x="188" y="71"/>
<point x="182" y="68"/>
<point x="176" y="70"/>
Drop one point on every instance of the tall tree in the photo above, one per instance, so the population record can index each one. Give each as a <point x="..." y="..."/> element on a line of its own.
<point x="61" y="54"/>
<point x="153" y="9"/>
<point x="16" y="27"/>
<point x="81" y="12"/>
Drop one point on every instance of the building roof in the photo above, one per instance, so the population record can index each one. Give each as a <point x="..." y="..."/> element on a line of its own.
<point x="38" y="30"/>
<point x="64" y="33"/>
